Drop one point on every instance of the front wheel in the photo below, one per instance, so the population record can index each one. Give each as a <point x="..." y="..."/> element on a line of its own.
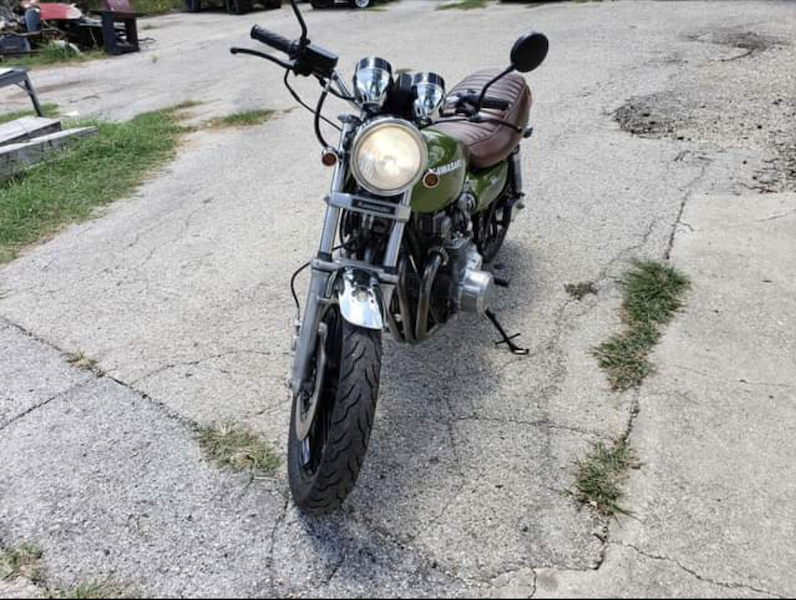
<point x="324" y="466"/>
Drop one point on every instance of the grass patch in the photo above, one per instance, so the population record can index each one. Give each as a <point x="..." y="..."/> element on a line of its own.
<point x="91" y="172"/>
<point x="81" y="361"/>
<point x="98" y="589"/>
<point x="600" y="475"/>
<point x="653" y="292"/>
<point x="49" y="109"/>
<point x="463" y="5"/>
<point x="55" y="54"/>
<point x="22" y="561"/>
<point x="238" y="449"/>
<point x="580" y="290"/>
<point x="147" y="7"/>
<point x="246" y="118"/>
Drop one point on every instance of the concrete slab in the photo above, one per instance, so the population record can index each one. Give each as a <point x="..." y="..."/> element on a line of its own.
<point x="181" y="293"/>
<point x="31" y="373"/>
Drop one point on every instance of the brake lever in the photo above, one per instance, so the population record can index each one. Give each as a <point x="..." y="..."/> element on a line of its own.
<point x="285" y="64"/>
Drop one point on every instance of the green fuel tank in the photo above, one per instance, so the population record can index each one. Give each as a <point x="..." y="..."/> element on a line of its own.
<point x="447" y="157"/>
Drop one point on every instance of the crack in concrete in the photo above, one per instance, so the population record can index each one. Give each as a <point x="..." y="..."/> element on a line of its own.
<point x="686" y="197"/>
<point x="697" y="575"/>
<point x="541" y="423"/>
<point x="777" y="216"/>
<point x="44" y="403"/>
<point x="741" y="381"/>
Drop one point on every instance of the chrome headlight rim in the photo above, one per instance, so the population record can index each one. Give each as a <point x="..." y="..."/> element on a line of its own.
<point x="370" y="128"/>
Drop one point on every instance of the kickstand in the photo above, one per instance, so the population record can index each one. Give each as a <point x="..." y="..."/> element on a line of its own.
<point x="507" y="339"/>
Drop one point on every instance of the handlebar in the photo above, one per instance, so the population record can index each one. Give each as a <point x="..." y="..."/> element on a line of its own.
<point x="306" y="58"/>
<point x="495" y="103"/>
<point x="276" y="41"/>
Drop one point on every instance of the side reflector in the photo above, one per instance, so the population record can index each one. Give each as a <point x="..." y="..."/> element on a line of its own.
<point x="430" y="180"/>
<point x="329" y="157"/>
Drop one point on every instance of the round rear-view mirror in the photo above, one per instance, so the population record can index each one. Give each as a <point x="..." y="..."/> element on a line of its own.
<point x="529" y="51"/>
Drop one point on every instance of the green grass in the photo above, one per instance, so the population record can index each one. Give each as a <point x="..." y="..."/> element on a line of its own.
<point x="600" y="475"/>
<point x="49" y="109"/>
<point x="653" y="292"/>
<point x="148" y="7"/>
<point x="53" y="54"/>
<point x="246" y="118"/>
<point x="91" y="172"/>
<point x="463" y="5"/>
<point x="81" y="361"/>
<point x="580" y="290"/>
<point x="21" y="561"/>
<point x="24" y="562"/>
<point x="238" y="449"/>
<point x="97" y="589"/>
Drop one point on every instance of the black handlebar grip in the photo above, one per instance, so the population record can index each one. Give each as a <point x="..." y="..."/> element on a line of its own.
<point x="269" y="38"/>
<point x="495" y="103"/>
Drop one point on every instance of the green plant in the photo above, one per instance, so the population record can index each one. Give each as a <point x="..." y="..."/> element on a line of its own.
<point x="601" y="473"/>
<point x="237" y="448"/>
<point x="463" y="5"/>
<point x="21" y="561"/>
<point x="91" y="172"/>
<point x="653" y="292"/>
<point x="246" y="118"/>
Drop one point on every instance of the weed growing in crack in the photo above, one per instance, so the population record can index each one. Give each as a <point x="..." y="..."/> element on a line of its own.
<point x="238" y="449"/>
<point x="653" y="293"/>
<point x="600" y="474"/>
<point x="99" y="589"/>
<point x="580" y="290"/>
<point x="23" y="561"/>
<point x="81" y="361"/>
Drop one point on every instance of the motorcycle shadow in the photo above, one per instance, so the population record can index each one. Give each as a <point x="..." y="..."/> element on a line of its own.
<point x="441" y="409"/>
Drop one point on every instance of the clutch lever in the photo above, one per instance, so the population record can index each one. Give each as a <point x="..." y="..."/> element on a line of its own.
<point x="285" y="64"/>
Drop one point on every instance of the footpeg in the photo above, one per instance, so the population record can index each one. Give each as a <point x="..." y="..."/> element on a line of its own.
<point x="507" y="339"/>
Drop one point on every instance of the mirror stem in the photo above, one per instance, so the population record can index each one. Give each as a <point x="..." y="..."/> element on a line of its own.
<point x="510" y="69"/>
<point x="301" y="21"/>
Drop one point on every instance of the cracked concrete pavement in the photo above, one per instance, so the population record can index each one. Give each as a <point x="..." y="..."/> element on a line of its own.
<point x="180" y="293"/>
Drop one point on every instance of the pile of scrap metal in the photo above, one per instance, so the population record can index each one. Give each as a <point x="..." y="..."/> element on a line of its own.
<point x="27" y="25"/>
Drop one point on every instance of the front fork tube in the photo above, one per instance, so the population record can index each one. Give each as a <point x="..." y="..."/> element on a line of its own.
<point x="320" y="279"/>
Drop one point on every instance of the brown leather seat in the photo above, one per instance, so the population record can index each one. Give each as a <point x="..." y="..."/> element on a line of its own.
<point x="489" y="143"/>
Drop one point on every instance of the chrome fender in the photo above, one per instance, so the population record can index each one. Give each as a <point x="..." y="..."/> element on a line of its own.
<point x="359" y="297"/>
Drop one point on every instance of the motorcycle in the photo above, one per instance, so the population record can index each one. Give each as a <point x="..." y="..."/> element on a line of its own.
<point x="424" y="188"/>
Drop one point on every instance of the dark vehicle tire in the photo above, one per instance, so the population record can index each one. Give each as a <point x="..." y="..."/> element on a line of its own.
<point x="323" y="469"/>
<point x="360" y="3"/>
<point x="493" y="229"/>
<point x="193" y="6"/>
<point x="239" y="7"/>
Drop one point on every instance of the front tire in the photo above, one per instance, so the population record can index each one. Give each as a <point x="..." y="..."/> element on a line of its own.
<point x="324" y="468"/>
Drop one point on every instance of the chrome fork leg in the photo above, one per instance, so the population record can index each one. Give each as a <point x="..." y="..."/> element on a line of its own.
<point x="308" y="333"/>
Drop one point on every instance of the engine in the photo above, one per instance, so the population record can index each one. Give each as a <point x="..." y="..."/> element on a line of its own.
<point x="473" y="285"/>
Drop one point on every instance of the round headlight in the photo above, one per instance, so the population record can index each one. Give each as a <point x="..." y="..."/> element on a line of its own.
<point x="388" y="157"/>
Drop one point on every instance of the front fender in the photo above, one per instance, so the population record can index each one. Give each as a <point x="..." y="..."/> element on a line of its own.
<point x="359" y="298"/>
